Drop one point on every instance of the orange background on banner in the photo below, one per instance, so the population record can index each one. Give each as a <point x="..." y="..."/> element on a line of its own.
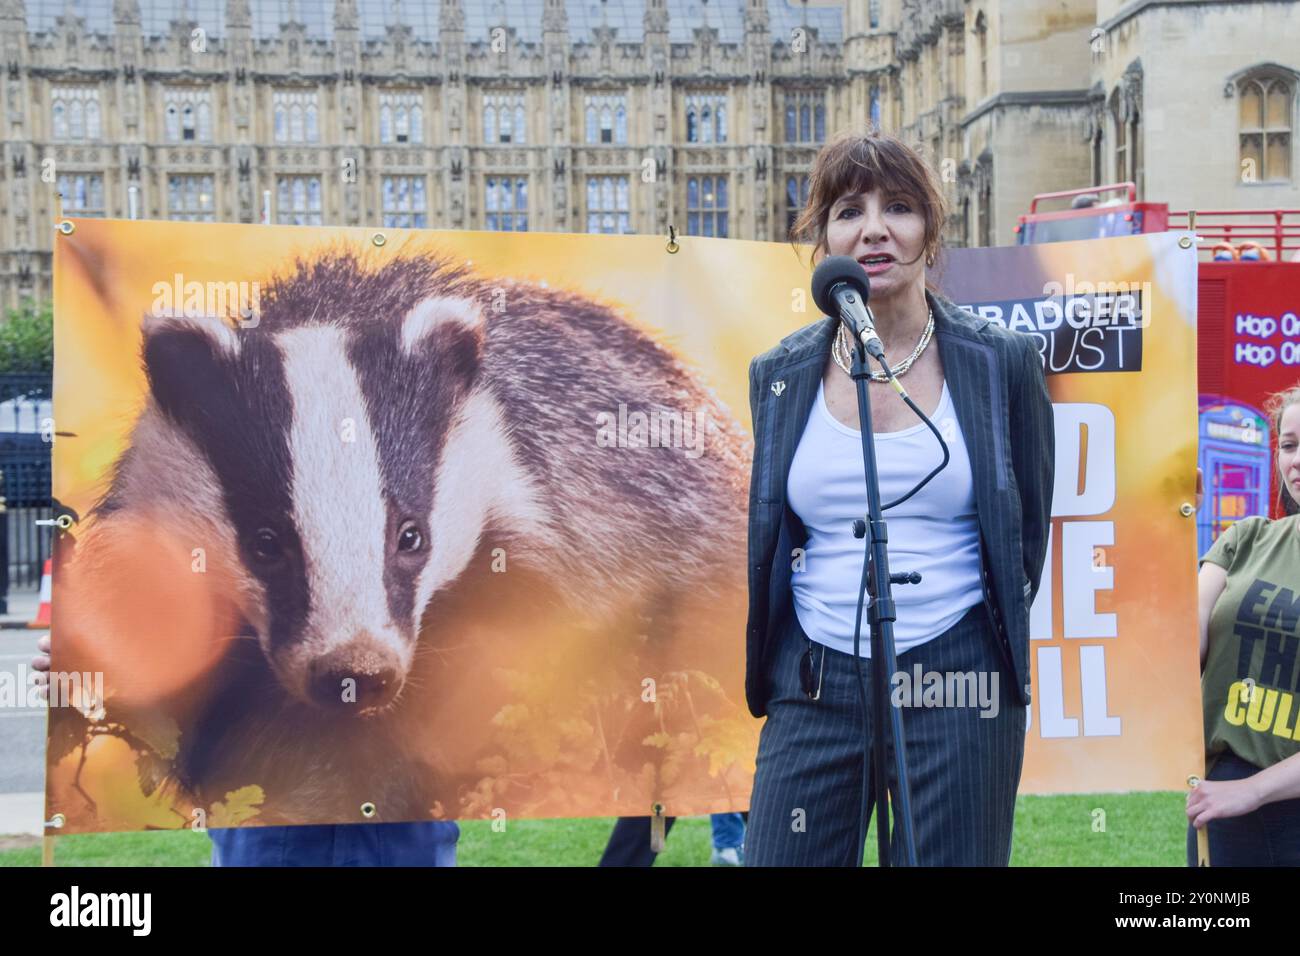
<point x="1152" y="666"/>
<point x="717" y="303"/>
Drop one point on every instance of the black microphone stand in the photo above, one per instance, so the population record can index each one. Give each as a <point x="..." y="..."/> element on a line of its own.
<point x="878" y="582"/>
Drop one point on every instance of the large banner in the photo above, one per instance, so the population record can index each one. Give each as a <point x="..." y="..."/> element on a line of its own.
<point x="399" y="525"/>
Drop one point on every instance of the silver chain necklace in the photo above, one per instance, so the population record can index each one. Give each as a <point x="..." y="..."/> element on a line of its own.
<point x="842" y="352"/>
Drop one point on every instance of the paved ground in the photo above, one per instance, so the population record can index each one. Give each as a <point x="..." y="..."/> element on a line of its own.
<point x="22" y="729"/>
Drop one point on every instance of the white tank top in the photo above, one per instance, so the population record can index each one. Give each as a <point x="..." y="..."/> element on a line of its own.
<point x="935" y="532"/>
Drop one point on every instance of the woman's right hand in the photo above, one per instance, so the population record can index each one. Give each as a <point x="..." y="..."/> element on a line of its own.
<point x="41" y="664"/>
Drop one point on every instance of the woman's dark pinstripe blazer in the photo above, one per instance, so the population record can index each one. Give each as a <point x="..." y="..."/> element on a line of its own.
<point x="995" y="377"/>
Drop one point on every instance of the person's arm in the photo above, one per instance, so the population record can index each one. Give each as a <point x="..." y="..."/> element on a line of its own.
<point x="1210" y="584"/>
<point x="1216" y="799"/>
<point x="1033" y="458"/>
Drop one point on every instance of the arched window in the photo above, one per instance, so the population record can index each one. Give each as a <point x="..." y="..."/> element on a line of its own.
<point x="296" y="116"/>
<point x="187" y="114"/>
<point x="400" y="117"/>
<point x="591" y="124"/>
<point x="805" y="116"/>
<point x="74" y="112"/>
<point x="489" y="124"/>
<point x="706" y="118"/>
<point x="1266" y="110"/>
<point x="706" y="206"/>
<point x="796" y="195"/>
<point x="620" y="125"/>
<point x="520" y="125"/>
<point x="606" y="125"/>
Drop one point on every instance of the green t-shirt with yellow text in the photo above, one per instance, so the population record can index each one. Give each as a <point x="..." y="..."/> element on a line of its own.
<point x="1251" y="686"/>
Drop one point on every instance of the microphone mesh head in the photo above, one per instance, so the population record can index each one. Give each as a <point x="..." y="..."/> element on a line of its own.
<point x="829" y="273"/>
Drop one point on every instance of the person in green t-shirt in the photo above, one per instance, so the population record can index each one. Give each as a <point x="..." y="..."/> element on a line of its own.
<point x="1249" y="597"/>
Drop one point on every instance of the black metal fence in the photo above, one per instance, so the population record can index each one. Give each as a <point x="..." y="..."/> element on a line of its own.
<point x="26" y="432"/>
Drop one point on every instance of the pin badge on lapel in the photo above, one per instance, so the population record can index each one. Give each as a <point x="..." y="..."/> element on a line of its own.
<point x="778" y="388"/>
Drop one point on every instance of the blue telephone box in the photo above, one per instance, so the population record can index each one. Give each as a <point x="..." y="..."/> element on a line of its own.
<point x="1236" y="463"/>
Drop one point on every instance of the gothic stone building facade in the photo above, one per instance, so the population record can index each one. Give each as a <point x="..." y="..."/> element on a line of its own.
<point x="621" y="115"/>
<point x="543" y="115"/>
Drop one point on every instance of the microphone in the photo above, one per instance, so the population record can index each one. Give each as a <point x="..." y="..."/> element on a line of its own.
<point x="840" y="287"/>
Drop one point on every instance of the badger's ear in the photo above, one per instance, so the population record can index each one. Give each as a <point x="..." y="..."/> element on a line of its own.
<point x="451" y="331"/>
<point x="451" y="314"/>
<point x="187" y="360"/>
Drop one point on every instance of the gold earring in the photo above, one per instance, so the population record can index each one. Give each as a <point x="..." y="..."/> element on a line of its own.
<point x="929" y="261"/>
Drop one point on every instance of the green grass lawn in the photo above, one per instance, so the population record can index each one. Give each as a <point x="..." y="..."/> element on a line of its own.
<point x="1143" y="829"/>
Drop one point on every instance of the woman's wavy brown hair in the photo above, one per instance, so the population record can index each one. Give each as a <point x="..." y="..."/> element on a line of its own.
<point x="859" y="162"/>
<point x="1275" y="408"/>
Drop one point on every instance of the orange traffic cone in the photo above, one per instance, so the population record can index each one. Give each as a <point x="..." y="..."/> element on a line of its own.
<point x="43" y="612"/>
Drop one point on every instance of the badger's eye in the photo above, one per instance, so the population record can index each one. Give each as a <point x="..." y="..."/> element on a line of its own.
<point x="409" y="537"/>
<point x="266" y="546"/>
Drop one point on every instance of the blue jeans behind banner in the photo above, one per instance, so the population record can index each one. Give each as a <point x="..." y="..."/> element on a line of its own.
<point x="728" y="830"/>
<point x="374" y="844"/>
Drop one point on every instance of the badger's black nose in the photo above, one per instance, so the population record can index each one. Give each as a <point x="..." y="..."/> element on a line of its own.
<point x="360" y="676"/>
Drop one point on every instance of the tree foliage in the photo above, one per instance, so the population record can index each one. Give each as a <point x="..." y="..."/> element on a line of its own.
<point x="27" y="339"/>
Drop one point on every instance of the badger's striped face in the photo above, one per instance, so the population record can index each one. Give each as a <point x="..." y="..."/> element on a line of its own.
<point x="327" y="442"/>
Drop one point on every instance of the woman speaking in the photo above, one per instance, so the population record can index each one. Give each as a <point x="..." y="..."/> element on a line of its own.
<point x="977" y="534"/>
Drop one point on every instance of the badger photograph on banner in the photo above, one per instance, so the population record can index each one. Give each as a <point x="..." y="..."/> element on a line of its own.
<point x="402" y="526"/>
<point x="406" y="525"/>
<point x="1113" y="630"/>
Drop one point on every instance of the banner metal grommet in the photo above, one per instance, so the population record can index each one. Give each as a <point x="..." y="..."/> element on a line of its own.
<point x="672" y="246"/>
<point x="56" y="822"/>
<point x="379" y="239"/>
<point x="1187" y="510"/>
<point x="66" y="227"/>
<point x="368" y="809"/>
<point x="658" y="827"/>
